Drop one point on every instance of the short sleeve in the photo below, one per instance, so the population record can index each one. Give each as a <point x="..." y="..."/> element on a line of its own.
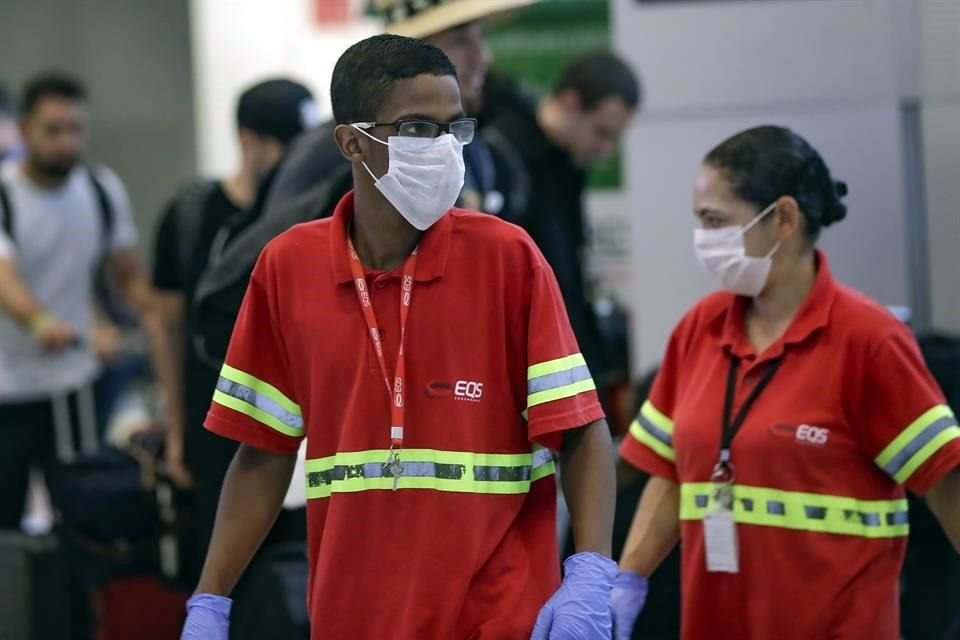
<point x="561" y="393"/>
<point x="648" y="445"/>
<point x="254" y="401"/>
<point x="166" y="254"/>
<point x="906" y="426"/>
<point x="124" y="234"/>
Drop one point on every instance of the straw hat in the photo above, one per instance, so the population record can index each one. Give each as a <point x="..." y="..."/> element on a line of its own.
<point x="424" y="18"/>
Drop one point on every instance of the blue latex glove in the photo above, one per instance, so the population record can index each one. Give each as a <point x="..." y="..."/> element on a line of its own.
<point x="208" y="618"/>
<point x="627" y="600"/>
<point x="580" y="609"/>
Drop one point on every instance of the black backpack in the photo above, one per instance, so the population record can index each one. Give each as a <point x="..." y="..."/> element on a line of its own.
<point x="107" y="214"/>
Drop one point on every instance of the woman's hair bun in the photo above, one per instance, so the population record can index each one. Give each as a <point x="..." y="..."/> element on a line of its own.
<point x="834" y="210"/>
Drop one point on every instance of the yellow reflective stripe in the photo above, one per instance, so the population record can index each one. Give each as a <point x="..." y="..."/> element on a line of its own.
<point x="655" y="416"/>
<point x="560" y="393"/>
<point x="801" y="511"/>
<point x="918" y="442"/>
<point x="423" y="455"/>
<point x="645" y="437"/>
<point x="261" y="387"/>
<point x="925" y="453"/>
<point x="450" y="471"/>
<point x="257" y="414"/>
<point x="543" y="471"/>
<point x="554" y="366"/>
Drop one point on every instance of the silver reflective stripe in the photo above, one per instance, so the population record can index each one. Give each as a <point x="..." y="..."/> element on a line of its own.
<point x="542" y="457"/>
<point x="558" y="379"/>
<point x="922" y="438"/>
<point x="260" y="401"/>
<point x="778" y="508"/>
<point x="654" y="430"/>
<point x="426" y="469"/>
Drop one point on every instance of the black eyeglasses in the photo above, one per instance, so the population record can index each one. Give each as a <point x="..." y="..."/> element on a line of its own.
<point x="462" y="129"/>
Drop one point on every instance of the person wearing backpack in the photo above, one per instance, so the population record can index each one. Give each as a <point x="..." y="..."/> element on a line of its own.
<point x="194" y="227"/>
<point x="61" y="220"/>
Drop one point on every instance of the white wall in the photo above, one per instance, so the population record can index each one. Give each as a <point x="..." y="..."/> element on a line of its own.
<point x="940" y="79"/>
<point x="239" y="42"/>
<point x="834" y="71"/>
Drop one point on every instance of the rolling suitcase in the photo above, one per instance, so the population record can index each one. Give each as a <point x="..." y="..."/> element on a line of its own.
<point x="35" y="604"/>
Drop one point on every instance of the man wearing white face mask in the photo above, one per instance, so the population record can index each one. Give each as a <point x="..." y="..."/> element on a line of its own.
<point x="790" y="415"/>
<point x="424" y="353"/>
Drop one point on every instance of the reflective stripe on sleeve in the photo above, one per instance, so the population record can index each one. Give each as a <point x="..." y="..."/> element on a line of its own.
<point x="259" y="400"/>
<point x="557" y="380"/>
<point x="450" y="471"/>
<point x="918" y="442"/>
<point x="801" y="511"/>
<point x="655" y="430"/>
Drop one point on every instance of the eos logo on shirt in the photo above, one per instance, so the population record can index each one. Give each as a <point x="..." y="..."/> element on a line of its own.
<point x="812" y="435"/>
<point x="468" y="390"/>
<point x="804" y="434"/>
<point x="465" y="390"/>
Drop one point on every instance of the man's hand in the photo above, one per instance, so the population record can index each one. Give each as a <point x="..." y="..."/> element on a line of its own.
<point x="53" y="335"/>
<point x="580" y="609"/>
<point x="107" y="342"/>
<point x="208" y="618"/>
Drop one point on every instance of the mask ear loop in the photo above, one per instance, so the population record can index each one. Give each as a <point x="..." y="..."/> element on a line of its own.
<point x="375" y="139"/>
<point x="757" y="219"/>
<point x="763" y="214"/>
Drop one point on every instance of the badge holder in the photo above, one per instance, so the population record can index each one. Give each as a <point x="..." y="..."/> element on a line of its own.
<point x="719" y="526"/>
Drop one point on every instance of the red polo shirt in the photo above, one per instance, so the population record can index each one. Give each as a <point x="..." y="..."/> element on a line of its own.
<point x="466" y="547"/>
<point x="850" y="419"/>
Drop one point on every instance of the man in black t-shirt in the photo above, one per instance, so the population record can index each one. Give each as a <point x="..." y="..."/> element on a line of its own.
<point x="191" y="233"/>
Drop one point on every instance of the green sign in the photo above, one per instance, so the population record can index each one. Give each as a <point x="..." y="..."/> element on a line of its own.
<point x="537" y="42"/>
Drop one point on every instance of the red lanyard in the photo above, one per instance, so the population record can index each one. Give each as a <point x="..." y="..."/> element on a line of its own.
<point x="396" y="390"/>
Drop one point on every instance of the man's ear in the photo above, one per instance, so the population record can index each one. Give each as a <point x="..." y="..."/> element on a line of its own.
<point x="570" y="100"/>
<point x="348" y="141"/>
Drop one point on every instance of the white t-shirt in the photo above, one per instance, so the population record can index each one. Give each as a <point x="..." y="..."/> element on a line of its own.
<point x="57" y="244"/>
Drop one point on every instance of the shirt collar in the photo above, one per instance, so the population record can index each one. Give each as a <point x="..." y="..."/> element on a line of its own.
<point x="432" y="255"/>
<point x="814" y="314"/>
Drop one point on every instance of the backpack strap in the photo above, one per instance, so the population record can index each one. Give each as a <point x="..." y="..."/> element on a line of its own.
<point x="107" y="212"/>
<point x="6" y="212"/>
<point x="191" y="202"/>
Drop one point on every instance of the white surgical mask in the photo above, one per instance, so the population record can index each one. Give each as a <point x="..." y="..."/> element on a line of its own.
<point x="723" y="256"/>
<point x="424" y="178"/>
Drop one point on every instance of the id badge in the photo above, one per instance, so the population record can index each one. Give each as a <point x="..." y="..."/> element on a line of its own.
<point x="720" y="538"/>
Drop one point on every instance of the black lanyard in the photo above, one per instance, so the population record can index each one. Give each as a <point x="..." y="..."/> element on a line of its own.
<point x="731" y="427"/>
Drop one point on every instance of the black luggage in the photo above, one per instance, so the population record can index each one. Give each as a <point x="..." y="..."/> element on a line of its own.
<point x="35" y="603"/>
<point x="271" y="601"/>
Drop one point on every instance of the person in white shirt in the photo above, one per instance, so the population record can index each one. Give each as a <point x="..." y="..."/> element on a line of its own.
<point x="60" y="220"/>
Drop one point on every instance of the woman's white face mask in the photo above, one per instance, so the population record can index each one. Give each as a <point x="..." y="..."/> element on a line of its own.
<point x="723" y="255"/>
<point x="424" y="177"/>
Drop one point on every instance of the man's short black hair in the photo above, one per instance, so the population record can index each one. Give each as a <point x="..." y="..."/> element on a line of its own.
<point x="365" y="73"/>
<point x="50" y="85"/>
<point x="597" y="76"/>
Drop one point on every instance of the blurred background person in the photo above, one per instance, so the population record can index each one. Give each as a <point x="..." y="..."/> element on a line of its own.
<point x="193" y="228"/>
<point x="10" y="146"/>
<point x="543" y="154"/>
<point x="313" y="177"/>
<point x="61" y="219"/>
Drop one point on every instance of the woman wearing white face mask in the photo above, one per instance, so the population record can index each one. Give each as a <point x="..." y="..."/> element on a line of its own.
<point x="789" y="417"/>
